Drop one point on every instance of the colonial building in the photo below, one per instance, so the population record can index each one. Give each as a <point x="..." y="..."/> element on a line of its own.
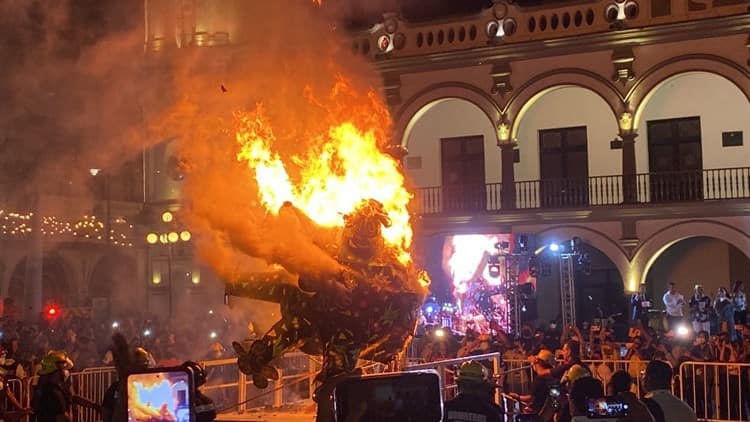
<point x="620" y="123"/>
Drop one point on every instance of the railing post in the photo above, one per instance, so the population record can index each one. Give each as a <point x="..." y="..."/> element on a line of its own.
<point x="278" y="394"/>
<point x="241" y="391"/>
<point x="495" y="371"/>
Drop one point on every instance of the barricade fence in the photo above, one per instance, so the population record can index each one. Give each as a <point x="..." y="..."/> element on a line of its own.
<point x="717" y="391"/>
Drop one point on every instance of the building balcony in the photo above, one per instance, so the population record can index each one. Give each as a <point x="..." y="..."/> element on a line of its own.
<point x="600" y="191"/>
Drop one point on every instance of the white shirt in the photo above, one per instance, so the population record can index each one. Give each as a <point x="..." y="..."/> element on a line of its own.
<point x="674" y="409"/>
<point x="674" y="303"/>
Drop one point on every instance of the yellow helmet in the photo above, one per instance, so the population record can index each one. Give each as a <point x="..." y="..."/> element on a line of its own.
<point x="142" y="359"/>
<point x="55" y="361"/>
<point x="473" y="372"/>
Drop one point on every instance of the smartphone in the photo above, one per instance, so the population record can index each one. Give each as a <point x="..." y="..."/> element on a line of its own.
<point x="623" y="351"/>
<point x="403" y="397"/>
<point x="160" y="394"/>
<point x="554" y="391"/>
<point x="607" y="407"/>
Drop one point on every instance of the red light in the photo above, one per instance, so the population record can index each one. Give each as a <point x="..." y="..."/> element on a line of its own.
<point x="52" y="311"/>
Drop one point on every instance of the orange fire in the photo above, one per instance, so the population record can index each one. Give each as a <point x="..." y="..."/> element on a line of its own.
<point x="334" y="169"/>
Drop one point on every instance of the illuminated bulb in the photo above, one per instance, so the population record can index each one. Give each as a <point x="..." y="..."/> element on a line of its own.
<point x="173" y="237"/>
<point x="213" y="334"/>
<point x="185" y="236"/>
<point x="167" y="217"/>
<point x="115" y="324"/>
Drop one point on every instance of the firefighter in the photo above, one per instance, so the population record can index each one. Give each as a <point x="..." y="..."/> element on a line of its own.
<point x="205" y="410"/>
<point x="54" y="395"/>
<point x="114" y="404"/>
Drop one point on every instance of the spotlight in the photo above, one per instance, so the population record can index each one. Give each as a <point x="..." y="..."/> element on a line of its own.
<point x="494" y="270"/>
<point x="213" y="334"/>
<point x="429" y="309"/>
<point x="683" y="330"/>
<point x="115" y="325"/>
<point x="554" y="247"/>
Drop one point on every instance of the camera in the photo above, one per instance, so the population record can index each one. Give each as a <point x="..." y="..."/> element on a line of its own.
<point x="403" y="397"/>
<point x="607" y="407"/>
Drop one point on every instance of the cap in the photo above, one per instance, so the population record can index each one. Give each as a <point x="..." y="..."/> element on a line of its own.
<point x="546" y="357"/>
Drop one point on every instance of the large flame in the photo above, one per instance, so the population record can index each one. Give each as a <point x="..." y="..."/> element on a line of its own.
<point x="334" y="171"/>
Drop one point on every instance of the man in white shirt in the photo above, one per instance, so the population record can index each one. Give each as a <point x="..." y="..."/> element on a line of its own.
<point x="663" y="405"/>
<point x="673" y="301"/>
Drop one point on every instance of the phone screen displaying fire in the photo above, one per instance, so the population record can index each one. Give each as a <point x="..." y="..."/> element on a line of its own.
<point x="159" y="396"/>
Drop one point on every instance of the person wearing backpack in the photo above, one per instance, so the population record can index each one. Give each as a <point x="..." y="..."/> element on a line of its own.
<point x="663" y="405"/>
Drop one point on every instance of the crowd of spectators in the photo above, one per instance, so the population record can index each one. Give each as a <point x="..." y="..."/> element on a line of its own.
<point x="712" y="330"/>
<point x="87" y="341"/>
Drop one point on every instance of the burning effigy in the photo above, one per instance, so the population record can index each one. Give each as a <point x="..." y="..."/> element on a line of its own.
<point x="354" y="293"/>
<point x="368" y="312"/>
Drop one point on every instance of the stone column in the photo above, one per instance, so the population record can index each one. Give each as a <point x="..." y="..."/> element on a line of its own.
<point x="506" y="144"/>
<point x="509" y="176"/>
<point x="34" y="267"/>
<point x="629" y="178"/>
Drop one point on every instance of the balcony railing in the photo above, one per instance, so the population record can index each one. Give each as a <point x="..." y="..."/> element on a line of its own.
<point x="645" y="188"/>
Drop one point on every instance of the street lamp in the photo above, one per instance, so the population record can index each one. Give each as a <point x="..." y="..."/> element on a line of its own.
<point x="168" y="238"/>
<point x="108" y="236"/>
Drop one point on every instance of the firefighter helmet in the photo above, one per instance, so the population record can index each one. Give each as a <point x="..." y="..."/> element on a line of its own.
<point x="55" y="361"/>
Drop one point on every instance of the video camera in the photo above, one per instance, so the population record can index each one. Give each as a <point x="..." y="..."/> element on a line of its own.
<point x="402" y="397"/>
<point x="160" y="394"/>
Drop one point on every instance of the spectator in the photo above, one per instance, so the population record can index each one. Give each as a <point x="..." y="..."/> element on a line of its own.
<point x="542" y="364"/>
<point x="621" y="386"/>
<point x="725" y="312"/>
<point x="639" y="306"/>
<point x="475" y="396"/>
<point x="700" y="310"/>
<point x="571" y="356"/>
<point x="673" y="301"/>
<point x="581" y="391"/>
<point x="740" y="307"/>
<point x="663" y="405"/>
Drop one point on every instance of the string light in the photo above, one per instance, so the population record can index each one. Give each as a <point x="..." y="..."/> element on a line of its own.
<point x="18" y="225"/>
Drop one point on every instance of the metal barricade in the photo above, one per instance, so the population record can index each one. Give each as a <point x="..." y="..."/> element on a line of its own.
<point x="91" y="384"/>
<point x="716" y="391"/>
<point x="447" y="370"/>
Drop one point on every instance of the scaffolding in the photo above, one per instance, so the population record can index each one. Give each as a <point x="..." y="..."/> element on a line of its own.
<point x="512" y="295"/>
<point x="567" y="289"/>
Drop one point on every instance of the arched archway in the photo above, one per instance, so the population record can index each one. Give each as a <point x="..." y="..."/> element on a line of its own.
<point x="547" y="122"/>
<point x="56" y="281"/>
<point x="113" y="277"/>
<point x="662" y="72"/>
<point x="661" y="240"/>
<point x="600" y="287"/>
<point x="690" y="109"/>
<point x="704" y="260"/>
<point x="421" y="102"/>
<point x="452" y="143"/>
